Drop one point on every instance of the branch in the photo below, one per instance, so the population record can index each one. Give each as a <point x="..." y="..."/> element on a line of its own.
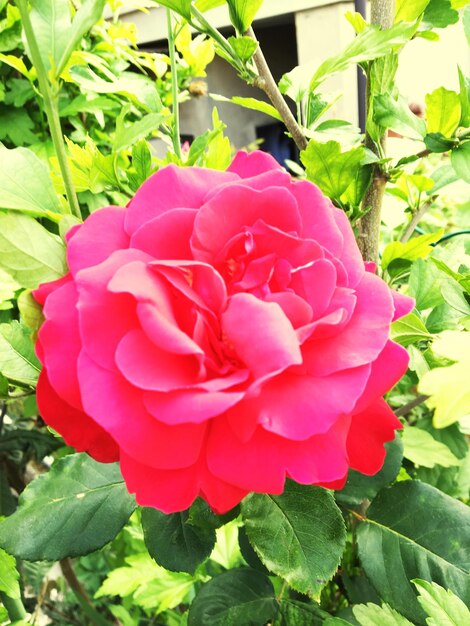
<point x="417" y="216"/>
<point x="266" y="83"/>
<point x="406" y="408"/>
<point x="382" y="14"/>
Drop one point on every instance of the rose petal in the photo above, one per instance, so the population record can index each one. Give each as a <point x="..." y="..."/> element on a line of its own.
<point x="76" y="428"/>
<point x="105" y="317"/>
<point x="236" y="207"/>
<point x="386" y="371"/>
<point x="249" y="164"/>
<point x="190" y="405"/>
<point x="369" y="430"/>
<point x="298" y="407"/>
<point x="261" y="335"/>
<point x="100" y="234"/>
<point x="362" y="339"/>
<point x="172" y="187"/>
<point x="403" y="304"/>
<point x="118" y="407"/>
<point x="60" y="342"/>
<point x="166" y="236"/>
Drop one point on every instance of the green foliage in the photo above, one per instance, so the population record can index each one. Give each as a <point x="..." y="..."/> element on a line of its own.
<point x="9" y="576"/>
<point x="78" y="507"/>
<point x="447" y="386"/>
<point x="18" y="361"/>
<point x="174" y="542"/>
<point x="399" y="540"/>
<point x="443" y="607"/>
<point x="240" y="597"/>
<point x="36" y="198"/>
<point x="281" y="528"/>
<point x="242" y="13"/>
<point x="28" y="252"/>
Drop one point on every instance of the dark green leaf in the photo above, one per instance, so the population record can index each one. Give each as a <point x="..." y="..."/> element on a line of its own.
<point x="248" y="553"/>
<point x="239" y="597"/>
<point x="295" y="613"/>
<point x="360" y="487"/>
<point x="7" y="500"/>
<point x="173" y="542"/>
<point x="74" y="509"/>
<point x="436" y="142"/>
<point x="298" y="535"/>
<point x="23" y="440"/>
<point x="16" y="125"/>
<point x="402" y="538"/>
<point x="242" y="13"/>
<point x="202" y="516"/>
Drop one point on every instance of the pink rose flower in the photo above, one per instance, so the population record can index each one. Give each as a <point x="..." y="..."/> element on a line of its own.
<point x="218" y="335"/>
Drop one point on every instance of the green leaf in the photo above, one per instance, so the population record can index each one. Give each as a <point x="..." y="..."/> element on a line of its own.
<point x="296" y="613"/>
<point x="436" y="142"/>
<point x="18" y="361"/>
<point x="416" y="248"/>
<point x="244" y="47"/>
<point x="30" y="311"/>
<point x="239" y="597"/>
<point x="360" y="487"/>
<point x="9" y="575"/>
<point x="251" y="103"/>
<point x="174" y="543"/>
<point x="464" y="96"/>
<point x="460" y="159"/>
<point x="87" y="15"/>
<point x="368" y="45"/>
<point x="443" y="111"/>
<point x="151" y="586"/>
<point x="422" y="449"/>
<point x="329" y="168"/>
<point x="298" y="535"/>
<point x="443" y="607"/>
<point x="206" y="5"/>
<point x="8" y="288"/>
<point x="29" y="252"/>
<point x="409" y="10"/>
<point x="391" y="113"/>
<point x="16" y="125"/>
<point x="76" y="508"/>
<point x="439" y="14"/>
<point x="373" y="614"/>
<point x="447" y="387"/>
<point x="38" y="196"/>
<point x="50" y="20"/>
<point x="462" y="279"/>
<point x="140" y="90"/>
<point x="126" y="136"/>
<point x="466" y="23"/>
<point x="409" y="329"/>
<point x="402" y="538"/>
<point x="242" y="13"/>
<point x="183" y="7"/>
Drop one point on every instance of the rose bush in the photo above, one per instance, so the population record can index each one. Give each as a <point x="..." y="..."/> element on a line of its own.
<point x="218" y="335"/>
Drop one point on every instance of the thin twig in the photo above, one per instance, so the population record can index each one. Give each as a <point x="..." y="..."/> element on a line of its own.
<point x="417" y="216"/>
<point x="409" y="406"/>
<point x="266" y="83"/>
